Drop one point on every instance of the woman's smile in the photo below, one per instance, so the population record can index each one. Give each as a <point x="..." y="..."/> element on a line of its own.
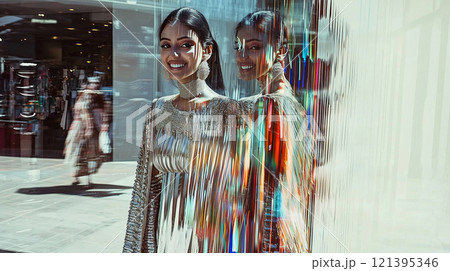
<point x="176" y="65"/>
<point x="246" y="69"/>
<point x="181" y="52"/>
<point x="251" y="53"/>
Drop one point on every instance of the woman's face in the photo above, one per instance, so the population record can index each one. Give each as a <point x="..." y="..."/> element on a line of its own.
<point x="181" y="52"/>
<point x="255" y="54"/>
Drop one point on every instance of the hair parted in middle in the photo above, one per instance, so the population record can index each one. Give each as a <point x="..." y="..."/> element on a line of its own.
<point x="194" y="20"/>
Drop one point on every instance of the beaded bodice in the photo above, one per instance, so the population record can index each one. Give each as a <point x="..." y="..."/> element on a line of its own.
<point x="176" y="130"/>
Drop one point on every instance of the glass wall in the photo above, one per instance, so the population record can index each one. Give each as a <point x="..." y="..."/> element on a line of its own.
<point x="137" y="73"/>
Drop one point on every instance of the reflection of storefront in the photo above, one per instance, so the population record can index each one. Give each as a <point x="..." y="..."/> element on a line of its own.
<point x="47" y="52"/>
<point x="69" y="40"/>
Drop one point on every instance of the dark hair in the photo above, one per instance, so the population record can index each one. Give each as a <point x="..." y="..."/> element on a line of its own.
<point x="269" y="22"/>
<point x="195" y="21"/>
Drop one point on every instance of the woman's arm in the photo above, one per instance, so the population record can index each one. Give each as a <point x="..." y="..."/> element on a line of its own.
<point x="143" y="212"/>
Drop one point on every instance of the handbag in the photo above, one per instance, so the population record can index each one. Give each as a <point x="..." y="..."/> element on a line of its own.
<point x="104" y="142"/>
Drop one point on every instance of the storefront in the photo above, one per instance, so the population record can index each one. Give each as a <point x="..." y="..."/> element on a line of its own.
<point x="47" y="52"/>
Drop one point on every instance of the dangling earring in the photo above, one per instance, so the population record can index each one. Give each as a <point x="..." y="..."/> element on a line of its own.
<point x="277" y="70"/>
<point x="203" y="69"/>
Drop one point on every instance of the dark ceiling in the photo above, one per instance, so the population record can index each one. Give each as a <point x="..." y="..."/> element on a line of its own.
<point x="39" y="30"/>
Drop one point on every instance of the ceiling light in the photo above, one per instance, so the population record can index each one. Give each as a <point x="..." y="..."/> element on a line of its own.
<point x="41" y="14"/>
<point x="78" y="44"/>
<point x="70" y="28"/>
<point x="43" y="21"/>
<point x="5" y="31"/>
<point x="1" y="39"/>
<point x="89" y="32"/>
<point x="28" y="64"/>
<point x="71" y="9"/>
<point x="95" y="29"/>
<point x="106" y="24"/>
<point x="55" y="37"/>
<point x="88" y="62"/>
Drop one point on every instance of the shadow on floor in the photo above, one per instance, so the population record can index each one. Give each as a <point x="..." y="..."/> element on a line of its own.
<point x="79" y="190"/>
<point x="7" y="251"/>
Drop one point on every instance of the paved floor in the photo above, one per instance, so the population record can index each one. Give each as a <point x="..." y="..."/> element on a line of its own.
<point x="40" y="211"/>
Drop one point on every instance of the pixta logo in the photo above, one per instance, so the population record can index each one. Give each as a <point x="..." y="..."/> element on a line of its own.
<point x="139" y="117"/>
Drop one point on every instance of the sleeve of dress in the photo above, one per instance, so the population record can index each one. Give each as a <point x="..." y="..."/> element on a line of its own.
<point x="104" y="117"/>
<point x="143" y="210"/>
<point x="296" y="185"/>
<point x="218" y="213"/>
<point x="270" y="158"/>
<point x="277" y="198"/>
<point x="237" y="186"/>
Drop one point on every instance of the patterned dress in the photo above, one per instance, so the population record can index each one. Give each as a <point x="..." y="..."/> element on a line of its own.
<point x="82" y="150"/>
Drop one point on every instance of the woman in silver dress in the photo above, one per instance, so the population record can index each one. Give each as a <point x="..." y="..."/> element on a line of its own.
<point x="185" y="154"/>
<point x="279" y="178"/>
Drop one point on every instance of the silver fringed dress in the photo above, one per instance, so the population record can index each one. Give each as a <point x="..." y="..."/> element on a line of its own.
<point x="184" y="159"/>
